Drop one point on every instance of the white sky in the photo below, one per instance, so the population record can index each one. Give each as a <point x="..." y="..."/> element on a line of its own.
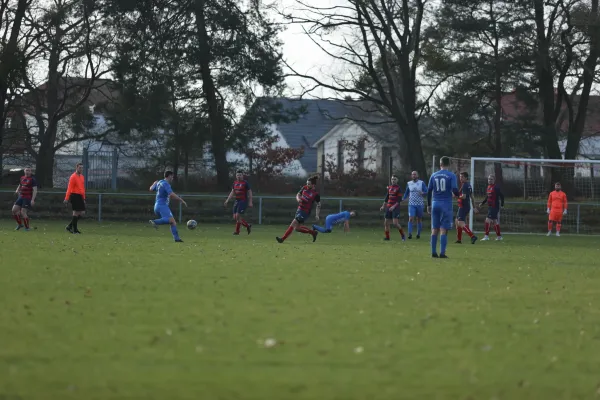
<point x="303" y="54"/>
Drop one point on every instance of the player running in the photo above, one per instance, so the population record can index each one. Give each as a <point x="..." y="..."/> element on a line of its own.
<point x="26" y="192"/>
<point x="161" y="206"/>
<point x="243" y="198"/>
<point x="306" y="197"/>
<point x="465" y="202"/>
<point x="557" y="207"/>
<point x="442" y="185"/>
<point x="391" y="204"/>
<point x="415" y="191"/>
<point x="495" y="201"/>
<point x="335" y="219"/>
<point x="76" y="196"/>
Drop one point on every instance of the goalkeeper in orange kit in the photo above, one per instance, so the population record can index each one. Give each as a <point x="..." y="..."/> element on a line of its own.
<point x="557" y="207"/>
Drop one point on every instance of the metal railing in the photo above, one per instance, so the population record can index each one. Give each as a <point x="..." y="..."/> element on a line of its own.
<point x="582" y="218"/>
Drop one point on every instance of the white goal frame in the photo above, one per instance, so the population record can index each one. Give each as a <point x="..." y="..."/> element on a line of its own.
<point x="540" y="161"/>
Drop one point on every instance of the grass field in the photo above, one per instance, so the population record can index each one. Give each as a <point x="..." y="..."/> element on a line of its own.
<point x="122" y="312"/>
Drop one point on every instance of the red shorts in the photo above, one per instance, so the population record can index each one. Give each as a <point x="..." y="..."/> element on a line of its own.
<point x="555" y="216"/>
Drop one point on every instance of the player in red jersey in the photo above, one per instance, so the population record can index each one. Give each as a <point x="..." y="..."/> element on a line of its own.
<point x="26" y="192"/>
<point x="306" y="197"/>
<point x="465" y="202"/>
<point x="495" y="201"/>
<point x="391" y="204"/>
<point x="243" y="198"/>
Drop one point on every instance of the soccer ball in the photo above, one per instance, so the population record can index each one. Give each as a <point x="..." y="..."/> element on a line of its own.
<point x="191" y="224"/>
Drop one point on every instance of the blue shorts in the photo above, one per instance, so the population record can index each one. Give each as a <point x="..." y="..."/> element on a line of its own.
<point x="441" y="216"/>
<point x="301" y="216"/>
<point x="394" y="214"/>
<point x="462" y="214"/>
<point x="239" y="206"/>
<point x="329" y="223"/>
<point x="415" y="211"/>
<point x="163" y="211"/>
<point x="493" y="213"/>
<point x="23" y="203"/>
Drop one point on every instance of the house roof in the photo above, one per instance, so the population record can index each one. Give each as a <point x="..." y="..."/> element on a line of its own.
<point x="515" y="109"/>
<point x="320" y="117"/>
<point x="384" y="132"/>
<point x="102" y="91"/>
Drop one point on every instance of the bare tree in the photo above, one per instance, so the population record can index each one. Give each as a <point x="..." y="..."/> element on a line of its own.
<point x="566" y="54"/>
<point x="11" y="19"/>
<point x="74" y="47"/>
<point x="380" y="43"/>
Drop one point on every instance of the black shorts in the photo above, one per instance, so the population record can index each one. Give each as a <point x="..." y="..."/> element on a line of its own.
<point x="77" y="202"/>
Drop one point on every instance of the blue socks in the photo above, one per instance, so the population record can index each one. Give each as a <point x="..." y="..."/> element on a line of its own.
<point x="174" y="232"/>
<point x="410" y="227"/>
<point x="162" y="221"/>
<point x="433" y="244"/>
<point x="320" y="229"/>
<point x="419" y="227"/>
<point x="443" y="243"/>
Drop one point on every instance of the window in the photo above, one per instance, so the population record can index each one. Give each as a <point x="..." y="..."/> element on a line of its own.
<point x="361" y="149"/>
<point x="340" y="156"/>
<point x="386" y="155"/>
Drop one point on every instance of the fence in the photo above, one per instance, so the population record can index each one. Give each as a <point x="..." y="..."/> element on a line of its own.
<point x="518" y="217"/>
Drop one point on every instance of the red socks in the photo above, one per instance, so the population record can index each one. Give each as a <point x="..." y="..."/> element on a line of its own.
<point x="387" y="234"/>
<point x="487" y="228"/>
<point x="549" y="225"/>
<point x="237" y="227"/>
<point x="17" y="218"/>
<point x="244" y="223"/>
<point x="288" y="232"/>
<point x="26" y="220"/>
<point x="401" y="231"/>
<point x="467" y="231"/>
<point x="497" y="229"/>
<point x="458" y="233"/>
<point x="558" y="225"/>
<point x="303" y="229"/>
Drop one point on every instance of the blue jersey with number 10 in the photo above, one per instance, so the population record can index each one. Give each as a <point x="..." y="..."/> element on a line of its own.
<point x="441" y="186"/>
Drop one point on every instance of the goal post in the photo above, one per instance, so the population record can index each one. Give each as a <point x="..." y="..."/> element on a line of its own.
<point x="526" y="184"/>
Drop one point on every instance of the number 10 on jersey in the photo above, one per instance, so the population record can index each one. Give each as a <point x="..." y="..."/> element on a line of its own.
<point x="440" y="185"/>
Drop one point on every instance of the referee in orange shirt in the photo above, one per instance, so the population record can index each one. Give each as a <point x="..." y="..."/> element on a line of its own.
<point x="76" y="196"/>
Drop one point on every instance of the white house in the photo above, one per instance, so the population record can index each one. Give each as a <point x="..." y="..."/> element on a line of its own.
<point x="371" y="147"/>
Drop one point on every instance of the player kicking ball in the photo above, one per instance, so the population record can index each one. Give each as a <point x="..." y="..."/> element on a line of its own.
<point x="306" y="197"/>
<point x="557" y="208"/>
<point x="161" y="206"/>
<point x="335" y="219"/>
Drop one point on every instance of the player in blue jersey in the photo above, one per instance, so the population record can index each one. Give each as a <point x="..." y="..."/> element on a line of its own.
<point x="161" y="206"/>
<point x="334" y="219"/>
<point x="415" y="192"/>
<point x="442" y="185"/>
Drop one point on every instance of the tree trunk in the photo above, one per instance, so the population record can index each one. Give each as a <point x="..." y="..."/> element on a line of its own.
<point x="546" y="89"/>
<point x="589" y="68"/>
<point x="8" y="61"/>
<point x="214" y="110"/>
<point x="44" y="166"/>
<point x="498" y="151"/>
<point x="186" y="168"/>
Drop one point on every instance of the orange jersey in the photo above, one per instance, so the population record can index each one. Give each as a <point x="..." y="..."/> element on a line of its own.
<point x="76" y="185"/>
<point x="557" y="201"/>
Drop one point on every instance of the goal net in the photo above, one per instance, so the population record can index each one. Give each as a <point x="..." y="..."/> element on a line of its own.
<point x="526" y="185"/>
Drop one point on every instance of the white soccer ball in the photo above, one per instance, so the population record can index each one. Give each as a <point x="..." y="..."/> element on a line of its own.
<point x="192" y="224"/>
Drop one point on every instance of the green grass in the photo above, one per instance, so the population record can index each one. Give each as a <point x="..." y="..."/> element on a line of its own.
<point x="122" y="312"/>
